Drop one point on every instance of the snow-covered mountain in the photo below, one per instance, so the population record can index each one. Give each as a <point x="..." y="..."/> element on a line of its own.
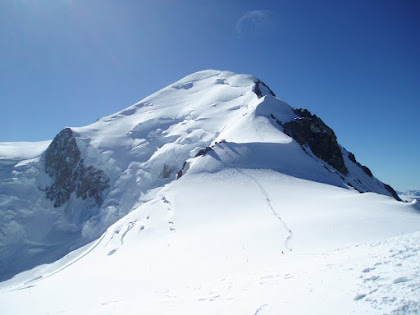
<point x="208" y="176"/>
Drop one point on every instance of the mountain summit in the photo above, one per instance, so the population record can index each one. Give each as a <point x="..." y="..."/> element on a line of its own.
<point x="57" y="196"/>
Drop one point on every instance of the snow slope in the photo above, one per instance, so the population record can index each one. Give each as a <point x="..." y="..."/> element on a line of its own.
<point x="22" y="150"/>
<point x="233" y="241"/>
<point x="206" y="196"/>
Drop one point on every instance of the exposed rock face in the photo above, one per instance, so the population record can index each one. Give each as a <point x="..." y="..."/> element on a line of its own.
<point x="63" y="162"/>
<point x="310" y="130"/>
<point x="364" y="168"/>
<point x="92" y="183"/>
<point x="392" y="191"/>
<point x="203" y="151"/>
<point x="259" y="86"/>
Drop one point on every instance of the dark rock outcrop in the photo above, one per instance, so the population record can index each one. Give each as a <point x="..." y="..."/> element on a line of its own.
<point x="64" y="163"/>
<point x="392" y="192"/>
<point x="257" y="89"/>
<point x="181" y="171"/>
<point x="203" y="151"/>
<point x="352" y="158"/>
<point x="310" y="130"/>
<point x="364" y="168"/>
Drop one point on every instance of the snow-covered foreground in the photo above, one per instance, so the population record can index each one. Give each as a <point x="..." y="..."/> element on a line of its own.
<point x="378" y="278"/>
<point x="238" y="241"/>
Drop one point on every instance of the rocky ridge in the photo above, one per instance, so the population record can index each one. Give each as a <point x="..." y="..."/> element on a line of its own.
<point x="65" y="165"/>
<point x="309" y="130"/>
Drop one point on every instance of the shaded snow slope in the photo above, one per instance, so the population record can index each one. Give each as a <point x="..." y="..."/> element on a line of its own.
<point x="56" y="199"/>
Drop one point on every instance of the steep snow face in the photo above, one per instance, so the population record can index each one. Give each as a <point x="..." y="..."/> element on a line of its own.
<point x="90" y="177"/>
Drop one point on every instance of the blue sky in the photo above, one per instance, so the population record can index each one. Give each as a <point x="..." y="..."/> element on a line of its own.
<point x="353" y="63"/>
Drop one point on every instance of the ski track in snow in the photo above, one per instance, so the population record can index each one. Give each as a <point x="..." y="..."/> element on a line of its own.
<point x="267" y="199"/>
<point x="269" y="204"/>
<point x="30" y="283"/>
<point x="129" y="227"/>
<point x="260" y="309"/>
<point x="171" y="216"/>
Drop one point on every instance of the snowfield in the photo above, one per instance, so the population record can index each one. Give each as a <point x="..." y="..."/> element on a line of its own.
<point x="235" y="242"/>
<point x="211" y="209"/>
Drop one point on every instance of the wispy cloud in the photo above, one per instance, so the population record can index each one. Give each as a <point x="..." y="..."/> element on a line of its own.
<point x="254" y="17"/>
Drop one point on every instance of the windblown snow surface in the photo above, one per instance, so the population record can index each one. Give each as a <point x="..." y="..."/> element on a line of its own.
<point x="255" y="224"/>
